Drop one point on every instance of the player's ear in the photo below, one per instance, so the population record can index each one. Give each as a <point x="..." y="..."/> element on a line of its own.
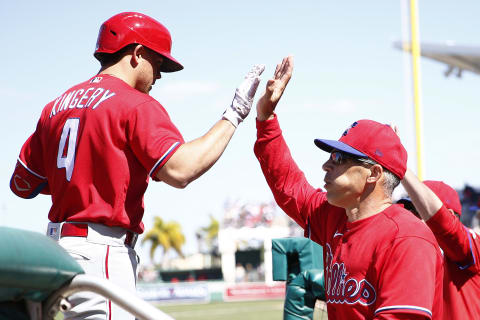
<point x="376" y="172"/>
<point x="137" y="54"/>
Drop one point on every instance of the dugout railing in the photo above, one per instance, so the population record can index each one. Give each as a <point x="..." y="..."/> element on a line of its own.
<point x="37" y="276"/>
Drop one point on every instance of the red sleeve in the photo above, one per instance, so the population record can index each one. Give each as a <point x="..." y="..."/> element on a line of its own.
<point x="152" y="136"/>
<point x="289" y="186"/>
<point x="27" y="184"/>
<point x="29" y="177"/>
<point x="410" y="278"/>
<point x="458" y="243"/>
<point x="31" y="153"/>
<point x="400" y="316"/>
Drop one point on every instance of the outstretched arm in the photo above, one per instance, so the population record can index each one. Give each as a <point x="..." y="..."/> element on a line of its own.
<point x="274" y="90"/>
<point x="456" y="241"/>
<point x="423" y="198"/>
<point x="194" y="158"/>
<point x="289" y="186"/>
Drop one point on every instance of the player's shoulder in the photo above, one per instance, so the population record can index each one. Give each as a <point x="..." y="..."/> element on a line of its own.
<point x="404" y="224"/>
<point x="125" y="94"/>
<point x="103" y="86"/>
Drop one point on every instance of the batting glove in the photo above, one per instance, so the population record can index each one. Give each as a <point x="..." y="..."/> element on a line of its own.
<point x="243" y="99"/>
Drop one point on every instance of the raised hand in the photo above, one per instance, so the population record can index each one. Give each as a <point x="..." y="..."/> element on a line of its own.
<point x="275" y="88"/>
<point x="394" y="128"/>
<point x="243" y="99"/>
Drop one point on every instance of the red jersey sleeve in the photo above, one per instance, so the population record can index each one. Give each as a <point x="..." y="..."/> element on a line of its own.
<point x="289" y="186"/>
<point x="29" y="177"/>
<point x="405" y="316"/>
<point x="458" y="243"/>
<point x="410" y="278"/>
<point x="25" y="183"/>
<point x="152" y="136"/>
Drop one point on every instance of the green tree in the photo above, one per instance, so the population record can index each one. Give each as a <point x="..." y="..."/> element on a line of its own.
<point x="211" y="231"/>
<point x="166" y="235"/>
<point x="209" y="235"/>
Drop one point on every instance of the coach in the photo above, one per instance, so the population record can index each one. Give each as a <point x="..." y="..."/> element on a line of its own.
<point x="380" y="261"/>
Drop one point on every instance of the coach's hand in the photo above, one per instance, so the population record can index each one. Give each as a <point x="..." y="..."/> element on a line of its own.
<point x="243" y="99"/>
<point x="275" y="88"/>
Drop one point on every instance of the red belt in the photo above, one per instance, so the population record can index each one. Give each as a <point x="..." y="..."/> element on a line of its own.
<point x="81" y="230"/>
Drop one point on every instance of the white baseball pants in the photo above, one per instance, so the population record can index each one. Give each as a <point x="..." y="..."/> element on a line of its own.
<point x="102" y="253"/>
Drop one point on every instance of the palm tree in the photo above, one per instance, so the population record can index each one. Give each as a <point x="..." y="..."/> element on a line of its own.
<point x="166" y="235"/>
<point x="211" y="231"/>
<point x="209" y="235"/>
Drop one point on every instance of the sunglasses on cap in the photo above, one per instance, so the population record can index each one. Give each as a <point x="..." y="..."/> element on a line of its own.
<point x="339" y="157"/>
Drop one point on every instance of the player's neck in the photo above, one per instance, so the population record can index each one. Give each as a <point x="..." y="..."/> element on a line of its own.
<point x="118" y="71"/>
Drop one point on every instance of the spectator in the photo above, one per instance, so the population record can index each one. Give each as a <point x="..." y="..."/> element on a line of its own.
<point x="252" y="273"/>
<point x="240" y="273"/>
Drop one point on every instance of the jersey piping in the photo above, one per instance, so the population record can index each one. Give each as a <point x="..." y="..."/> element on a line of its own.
<point x="400" y="307"/>
<point x="163" y="157"/>
<point x="471" y="252"/>
<point x="31" y="171"/>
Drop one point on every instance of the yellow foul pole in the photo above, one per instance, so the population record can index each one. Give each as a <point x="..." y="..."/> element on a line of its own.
<point x="415" y="47"/>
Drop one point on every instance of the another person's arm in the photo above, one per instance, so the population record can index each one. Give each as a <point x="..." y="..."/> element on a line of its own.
<point x="458" y="243"/>
<point x="425" y="200"/>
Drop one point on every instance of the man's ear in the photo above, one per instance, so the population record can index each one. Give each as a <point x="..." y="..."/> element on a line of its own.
<point x="376" y="172"/>
<point x="137" y="54"/>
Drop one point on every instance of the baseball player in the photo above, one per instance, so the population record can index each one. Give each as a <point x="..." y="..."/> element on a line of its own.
<point x="439" y="206"/>
<point x="380" y="262"/>
<point x="98" y="143"/>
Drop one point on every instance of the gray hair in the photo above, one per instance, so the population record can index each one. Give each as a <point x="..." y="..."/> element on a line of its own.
<point x="390" y="183"/>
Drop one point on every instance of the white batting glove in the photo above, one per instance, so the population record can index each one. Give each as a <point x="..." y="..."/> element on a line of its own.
<point x="243" y="99"/>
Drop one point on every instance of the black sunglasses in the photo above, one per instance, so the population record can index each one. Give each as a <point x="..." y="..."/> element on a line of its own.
<point x="339" y="157"/>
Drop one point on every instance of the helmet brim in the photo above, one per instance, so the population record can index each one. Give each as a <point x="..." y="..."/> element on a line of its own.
<point x="170" y="64"/>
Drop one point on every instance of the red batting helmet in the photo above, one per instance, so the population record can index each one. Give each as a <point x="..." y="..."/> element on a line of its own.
<point x="133" y="27"/>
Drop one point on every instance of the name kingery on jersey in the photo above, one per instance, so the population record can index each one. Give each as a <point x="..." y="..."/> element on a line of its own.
<point x="81" y="99"/>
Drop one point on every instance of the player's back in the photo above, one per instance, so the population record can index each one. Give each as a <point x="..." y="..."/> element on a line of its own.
<point x="92" y="154"/>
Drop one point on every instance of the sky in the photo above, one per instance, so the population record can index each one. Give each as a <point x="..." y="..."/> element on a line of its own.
<point x="346" y="69"/>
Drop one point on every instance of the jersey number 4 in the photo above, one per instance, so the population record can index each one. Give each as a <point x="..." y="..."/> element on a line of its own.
<point x="66" y="158"/>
